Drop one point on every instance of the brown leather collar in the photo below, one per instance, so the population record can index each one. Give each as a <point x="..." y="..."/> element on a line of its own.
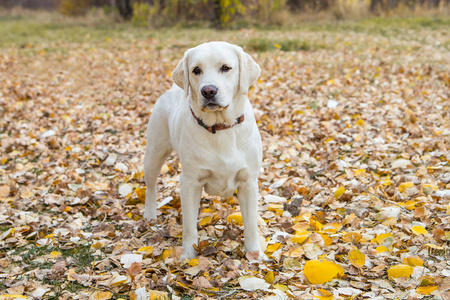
<point x="219" y="126"/>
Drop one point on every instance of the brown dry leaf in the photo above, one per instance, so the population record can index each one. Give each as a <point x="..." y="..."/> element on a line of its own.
<point x="202" y="282"/>
<point x="4" y="191"/>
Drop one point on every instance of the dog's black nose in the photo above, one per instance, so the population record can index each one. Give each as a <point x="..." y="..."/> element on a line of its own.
<point x="209" y="91"/>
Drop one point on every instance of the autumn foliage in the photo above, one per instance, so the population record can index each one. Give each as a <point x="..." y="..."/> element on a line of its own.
<point x="354" y="191"/>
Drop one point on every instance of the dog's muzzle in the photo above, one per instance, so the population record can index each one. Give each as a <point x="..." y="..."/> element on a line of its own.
<point x="210" y="103"/>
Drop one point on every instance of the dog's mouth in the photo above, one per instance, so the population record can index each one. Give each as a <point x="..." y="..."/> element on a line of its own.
<point x="213" y="106"/>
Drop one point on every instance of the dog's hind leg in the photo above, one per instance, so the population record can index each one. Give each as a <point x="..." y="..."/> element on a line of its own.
<point x="156" y="151"/>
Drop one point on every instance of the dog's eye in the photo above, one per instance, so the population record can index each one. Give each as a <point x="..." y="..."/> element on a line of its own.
<point x="225" y="68"/>
<point x="197" y="71"/>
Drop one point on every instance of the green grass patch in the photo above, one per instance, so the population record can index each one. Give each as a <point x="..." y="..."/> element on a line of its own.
<point x="4" y="228"/>
<point x="31" y="253"/>
<point x="264" y="45"/>
<point x="35" y="29"/>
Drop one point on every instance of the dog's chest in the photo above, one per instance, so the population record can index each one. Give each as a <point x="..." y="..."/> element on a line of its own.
<point x="223" y="182"/>
<point x="222" y="173"/>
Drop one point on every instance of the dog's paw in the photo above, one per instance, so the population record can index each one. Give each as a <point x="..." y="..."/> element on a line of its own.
<point x="257" y="255"/>
<point x="263" y="257"/>
<point x="149" y="215"/>
<point x="188" y="254"/>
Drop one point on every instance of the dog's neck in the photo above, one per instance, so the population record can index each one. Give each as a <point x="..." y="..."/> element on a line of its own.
<point x="218" y="126"/>
<point x="227" y="117"/>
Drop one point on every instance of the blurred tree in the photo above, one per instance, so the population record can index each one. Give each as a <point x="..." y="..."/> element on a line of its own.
<point x="125" y="9"/>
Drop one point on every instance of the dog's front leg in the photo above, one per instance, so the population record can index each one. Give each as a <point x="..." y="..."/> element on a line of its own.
<point x="191" y="192"/>
<point x="248" y="200"/>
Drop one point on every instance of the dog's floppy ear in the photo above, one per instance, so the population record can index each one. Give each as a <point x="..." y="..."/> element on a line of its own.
<point x="181" y="73"/>
<point x="249" y="70"/>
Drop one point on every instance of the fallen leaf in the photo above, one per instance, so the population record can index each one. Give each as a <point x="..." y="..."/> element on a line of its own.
<point x="128" y="259"/>
<point x="413" y="261"/>
<point x="249" y="283"/>
<point x="426" y="290"/>
<point x="356" y="258"/>
<point x="321" y="271"/>
<point x="418" y="230"/>
<point x="339" y="192"/>
<point x="99" y="295"/>
<point x="399" y="270"/>
<point x="235" y="218"/>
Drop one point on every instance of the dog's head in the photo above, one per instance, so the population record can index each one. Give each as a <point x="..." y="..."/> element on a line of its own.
<point x="215" y="73"/>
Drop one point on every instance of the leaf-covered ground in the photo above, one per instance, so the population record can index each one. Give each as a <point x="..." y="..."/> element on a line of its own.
<point x="354" y="190"/>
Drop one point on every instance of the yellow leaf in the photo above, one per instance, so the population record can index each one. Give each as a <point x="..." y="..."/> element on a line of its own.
<point x="360" y="122"/>
<point x="381" y="237"/>
<point x="324" y="295"/>
<point x="357" y="258"/>
<point x="55" y="254"/>
<point x="410" y="205"/>
<point x="418" y="230"/>
<point x="205" y="221"/>
<point x="273" y="247"/>
<point x="157" y="295"/>
<point x="146" y="251"/>
<point x="276" y="208"/>
<point x="300" y="236"/>
<point x="316" y="225"/>
<point x="332" y="228"/>
<point x="97" y="245"/>
<point x="321" y="271"/>
<point x="404" y="186"/>
<point x="297" y="252"/>
<point x="166" y="253"/>
<point x="235" y="217"/>
<point x="381" y="249"/>
<point x="11" y="297"/>
<point x="327" y="241"/>
<point x="270" y="277"/>
<point x="433" y="246"/>
<point x="8" y="233"/>
<point x="386" y="181"/>
<point x="399" y="270"/>
<point x="413" y="261"/>
<point x="426" y="290"/>
<point x="339" y="192"/>
<point x="102" y="295"/>
<point x="359" y="171"/>
<point x="281" y="287"/>
<point x="193" y="262"/>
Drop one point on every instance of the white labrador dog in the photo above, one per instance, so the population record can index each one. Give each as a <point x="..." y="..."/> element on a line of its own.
<point x="206" y="117"/>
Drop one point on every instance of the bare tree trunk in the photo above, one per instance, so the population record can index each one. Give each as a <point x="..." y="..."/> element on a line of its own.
<point x="125" y="9"/>
<point x="374" y="5"/>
